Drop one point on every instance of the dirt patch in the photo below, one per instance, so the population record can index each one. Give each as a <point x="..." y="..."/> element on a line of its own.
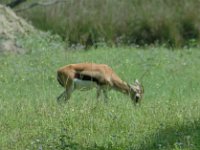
<point x="11" y="27"/>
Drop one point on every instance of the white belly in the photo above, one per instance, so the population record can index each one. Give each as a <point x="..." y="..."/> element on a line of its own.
<point x="84" y="84"/>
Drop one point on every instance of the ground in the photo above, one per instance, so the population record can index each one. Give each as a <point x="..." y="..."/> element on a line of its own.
<point x="12" y="26"/>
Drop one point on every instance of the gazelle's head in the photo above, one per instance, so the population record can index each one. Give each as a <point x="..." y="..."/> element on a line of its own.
<point x="136" y="91"/>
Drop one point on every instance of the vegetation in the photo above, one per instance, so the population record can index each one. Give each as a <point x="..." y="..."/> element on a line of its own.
<point x="136" y="22"/>
<point x="32" y="119"/>
<point x="169" y="117"/>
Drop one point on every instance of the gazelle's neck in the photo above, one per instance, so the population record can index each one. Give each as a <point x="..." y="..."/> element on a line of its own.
<point x="122" y="86"/>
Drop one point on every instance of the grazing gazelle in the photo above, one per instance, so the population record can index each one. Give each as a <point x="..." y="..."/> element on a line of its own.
<point x="85" y="76"/>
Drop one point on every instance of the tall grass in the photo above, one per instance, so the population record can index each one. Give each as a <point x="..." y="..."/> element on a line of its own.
<point x="140" y="22"/>
<point x="31" y="119"/>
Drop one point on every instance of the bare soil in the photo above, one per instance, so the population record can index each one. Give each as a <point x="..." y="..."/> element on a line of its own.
<point x="11" y="27"/>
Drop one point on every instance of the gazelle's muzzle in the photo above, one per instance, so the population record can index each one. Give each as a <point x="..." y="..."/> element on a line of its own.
<point x="137" y="98"/>
<point x="137" y="92"/>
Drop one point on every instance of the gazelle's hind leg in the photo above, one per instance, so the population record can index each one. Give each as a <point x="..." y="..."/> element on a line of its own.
<point x="104" y="90"/>
<point x="66" y="95"/>
<point x="60" y="96"/>
<point x="69" y="87"/>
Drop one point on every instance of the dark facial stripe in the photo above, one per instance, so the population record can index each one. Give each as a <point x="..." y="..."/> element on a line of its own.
<point x="86" y="78"/>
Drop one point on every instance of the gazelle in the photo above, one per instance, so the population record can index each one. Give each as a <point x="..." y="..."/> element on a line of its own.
<point x="85" y="76"/>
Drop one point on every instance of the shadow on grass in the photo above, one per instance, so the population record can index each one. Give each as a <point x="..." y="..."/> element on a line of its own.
<point x="177" y="137"/>
<point x="67" y="143"/>
<point x="77" y="146"/>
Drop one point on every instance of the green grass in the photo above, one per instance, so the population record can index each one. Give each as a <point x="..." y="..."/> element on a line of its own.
<point x="30" y="118"/>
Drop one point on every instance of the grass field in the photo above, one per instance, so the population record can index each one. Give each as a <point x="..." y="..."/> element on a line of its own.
<point x="30" y="118"/>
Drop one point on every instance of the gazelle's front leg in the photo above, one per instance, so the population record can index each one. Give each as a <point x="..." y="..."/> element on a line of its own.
<point x="99" y="90"/>
<point x="105" y="95"/>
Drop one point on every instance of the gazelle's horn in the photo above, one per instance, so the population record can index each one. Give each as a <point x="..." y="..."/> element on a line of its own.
<point x="142" y="76"/>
